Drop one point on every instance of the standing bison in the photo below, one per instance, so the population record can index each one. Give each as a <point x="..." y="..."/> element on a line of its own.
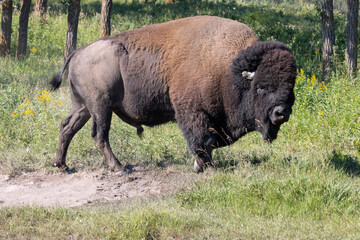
<point x="210" y="75"/>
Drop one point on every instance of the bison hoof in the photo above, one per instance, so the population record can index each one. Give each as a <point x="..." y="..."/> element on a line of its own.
<point x="122" y="173"/>
<point x="197" y="167"/>
<point x="200" y="168"/>
<point x="126" y="170"/>
<point x="63" y="168"/>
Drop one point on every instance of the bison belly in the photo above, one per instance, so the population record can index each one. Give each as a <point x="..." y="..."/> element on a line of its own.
<point x="146" y="93"/>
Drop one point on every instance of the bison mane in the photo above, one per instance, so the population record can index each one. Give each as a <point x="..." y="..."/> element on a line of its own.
<point x="250" y="58"/>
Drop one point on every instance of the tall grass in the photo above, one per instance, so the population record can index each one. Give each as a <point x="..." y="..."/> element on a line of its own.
<point x="26" y="146"/>
<point x="303" y="186"/>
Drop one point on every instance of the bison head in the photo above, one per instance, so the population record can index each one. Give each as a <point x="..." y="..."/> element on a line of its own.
<point x="265" y="73"/>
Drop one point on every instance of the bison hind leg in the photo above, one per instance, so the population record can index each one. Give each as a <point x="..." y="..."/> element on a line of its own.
<point x="75" y="120"/>
<point x="101" y="114"/>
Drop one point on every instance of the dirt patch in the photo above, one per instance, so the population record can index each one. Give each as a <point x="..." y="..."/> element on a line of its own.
<point x="77" y="189"/>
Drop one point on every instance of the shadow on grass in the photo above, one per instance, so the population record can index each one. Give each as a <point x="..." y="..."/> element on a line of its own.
<point x="231" y="164"/>
<point x="256" y="160"/>
<point x="345" y="163"/>
<point x="226" y="165"/>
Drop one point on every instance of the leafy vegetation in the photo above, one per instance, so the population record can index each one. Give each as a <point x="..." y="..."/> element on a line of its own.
<point x="303" y="186"/>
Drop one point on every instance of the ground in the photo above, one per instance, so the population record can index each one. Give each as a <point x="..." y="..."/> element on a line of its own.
<point x="79" y="189"/>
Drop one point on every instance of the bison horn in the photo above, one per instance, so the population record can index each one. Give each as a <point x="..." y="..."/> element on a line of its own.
<point x="248" y="75"/>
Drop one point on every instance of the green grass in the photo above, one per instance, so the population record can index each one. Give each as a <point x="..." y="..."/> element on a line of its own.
<point x="303" y="186"/>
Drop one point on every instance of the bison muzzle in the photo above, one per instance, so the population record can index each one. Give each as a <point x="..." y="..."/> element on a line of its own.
<point x="210" y="75"/>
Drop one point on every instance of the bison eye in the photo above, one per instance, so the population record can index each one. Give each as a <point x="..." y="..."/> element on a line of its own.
<point x="260" y="91"/>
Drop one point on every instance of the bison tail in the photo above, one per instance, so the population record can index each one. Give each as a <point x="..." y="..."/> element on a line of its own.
<point x="56" y="81"/>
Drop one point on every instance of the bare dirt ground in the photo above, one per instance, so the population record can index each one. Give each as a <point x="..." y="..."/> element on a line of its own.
<point x="79" y="189"/>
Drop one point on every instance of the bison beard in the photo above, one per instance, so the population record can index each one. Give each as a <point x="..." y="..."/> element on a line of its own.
<point x="210" y="75"/>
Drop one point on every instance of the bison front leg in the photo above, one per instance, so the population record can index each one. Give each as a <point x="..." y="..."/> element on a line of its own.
<point x="101" y="120"/>
<point x="200" y="140"/>
<point x="75" y="120"/>
<point x="203" y="155"/>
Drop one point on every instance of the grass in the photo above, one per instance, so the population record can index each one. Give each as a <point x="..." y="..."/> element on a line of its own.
<point x="303" y="186"/>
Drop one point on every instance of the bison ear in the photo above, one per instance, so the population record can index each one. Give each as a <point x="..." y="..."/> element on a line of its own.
<point x="248" y="75"/>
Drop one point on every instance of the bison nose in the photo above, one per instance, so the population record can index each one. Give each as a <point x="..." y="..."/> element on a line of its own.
<point x="280" y="115"/>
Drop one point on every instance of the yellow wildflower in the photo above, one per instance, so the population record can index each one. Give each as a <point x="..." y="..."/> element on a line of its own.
<point x="26" y="102"/>
<point x="1" y="137"/>
<point x="43" y="96"/>
<point x="356" y="99"/>
<point x="316" y="51"/>
<point x="323" y="83"/>
<point x="14" y="114"/>
<point x="28" y="111"/>
<point x="58" y="102"/>
<point x="313" y="79"/>
<point x="300" y="76"/>
<point x="322" y="87"/>
<point x="357" y="143"/>
<point x="33" y="50"/>
<point x="321" y="112"/>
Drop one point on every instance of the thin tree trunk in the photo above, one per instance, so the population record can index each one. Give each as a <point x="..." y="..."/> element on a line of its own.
<point x="328" y="37"/>
<point x="40" y="9"/>
<point x="105" y="27"/>
<point x="352" y="36"/>
<point x="6" y="20"/>
<point x="23" y="28"/>
<point x="72" y="26"/>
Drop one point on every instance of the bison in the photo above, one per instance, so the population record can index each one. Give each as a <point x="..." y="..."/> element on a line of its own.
<point x="211" y="75"/>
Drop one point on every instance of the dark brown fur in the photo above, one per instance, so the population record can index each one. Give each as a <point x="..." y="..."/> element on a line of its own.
<point x="190" y="71"/>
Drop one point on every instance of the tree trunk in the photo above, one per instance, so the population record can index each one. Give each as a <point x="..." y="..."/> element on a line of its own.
<point x="72" y="26"/>
<point x="40" y="9"/>
<point x="5" y="34"/>
<point x="23" y="28"/>
<point x="328" y="37"/>
<point x="105" y="27"/>
<point x="352" y="36"/>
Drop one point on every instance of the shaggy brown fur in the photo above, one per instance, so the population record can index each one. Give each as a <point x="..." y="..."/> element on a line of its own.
<point x="194" y="71"/>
